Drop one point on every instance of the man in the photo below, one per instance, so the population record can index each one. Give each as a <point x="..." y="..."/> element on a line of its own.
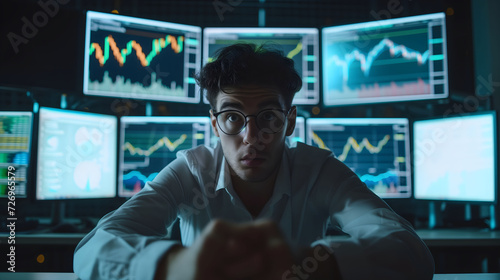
<point x="253" y="208"/>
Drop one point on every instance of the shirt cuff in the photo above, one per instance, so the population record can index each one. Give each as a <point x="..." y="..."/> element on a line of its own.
<point x="349" y="257"/>
<point x="144" y="264"/>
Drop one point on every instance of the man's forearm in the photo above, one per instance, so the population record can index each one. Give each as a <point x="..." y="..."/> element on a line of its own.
<point x="317" y="262"/>
<point x="166" y="261"/>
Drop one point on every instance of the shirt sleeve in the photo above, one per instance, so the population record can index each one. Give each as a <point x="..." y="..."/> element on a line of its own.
<point x="129" y="242"/>
<point x="382" y="245"/>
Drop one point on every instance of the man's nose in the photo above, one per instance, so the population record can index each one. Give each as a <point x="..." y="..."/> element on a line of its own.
<point x="251" y="131"/>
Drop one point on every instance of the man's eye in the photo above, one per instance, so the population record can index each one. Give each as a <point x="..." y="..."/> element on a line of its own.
<point x="268" y="116"/>
<point x="233" y="117"/>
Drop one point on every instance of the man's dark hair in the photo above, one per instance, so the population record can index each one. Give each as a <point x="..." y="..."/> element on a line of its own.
<point x="241" y="65"/>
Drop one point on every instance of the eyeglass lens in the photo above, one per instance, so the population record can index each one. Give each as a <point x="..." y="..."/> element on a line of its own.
<point x="269" y="121"/>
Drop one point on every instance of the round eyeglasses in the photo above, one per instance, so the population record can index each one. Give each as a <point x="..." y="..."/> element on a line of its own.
<point x="269" y="121"/>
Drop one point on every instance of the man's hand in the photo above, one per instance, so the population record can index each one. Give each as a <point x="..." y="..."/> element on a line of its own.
<point x="277" y="254"/>
<point x="221" y="245"/>
<point x="247" y="251"/>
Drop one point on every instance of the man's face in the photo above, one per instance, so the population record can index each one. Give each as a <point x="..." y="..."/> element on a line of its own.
<point x="253" y="155"/>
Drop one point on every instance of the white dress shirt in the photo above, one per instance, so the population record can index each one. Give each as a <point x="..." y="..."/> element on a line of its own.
<point x="312" y="188"/>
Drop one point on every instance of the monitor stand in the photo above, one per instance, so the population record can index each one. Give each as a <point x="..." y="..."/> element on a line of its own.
<point x="493" y="218"/>
<point x="58" y="221"/>
<point x="436" y="219"/>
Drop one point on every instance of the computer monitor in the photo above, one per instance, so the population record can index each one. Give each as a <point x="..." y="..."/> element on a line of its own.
<point x="299" y="133"/>
<point x="376" y="149"/>
<point x="148" y="144"/>
<point x="76" y="155"/>
<point x="455" y="158"/>
<point x="137" y="58"/>
<point x="390" y="60"/>
<point x="299" y="44"/>
<point x="15" y="148"/>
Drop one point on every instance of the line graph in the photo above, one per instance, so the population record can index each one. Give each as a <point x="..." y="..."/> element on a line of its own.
<point x="291" y="54"/>
<point x="163" y="142"/>
<point x="140" y="176"/>
<point x="110" y="46"/>
<point x="367" y="60"/>
<point x="365" y="143"/>
<point x="136" y="180"/>
<point x="318" y="141"/>
<point x="375" y="149"/>
<point x="352" y="143"/>
<point x="379" y="177"/>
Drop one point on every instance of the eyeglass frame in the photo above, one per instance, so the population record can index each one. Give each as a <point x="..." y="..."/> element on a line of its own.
<point x="216" y="114"/>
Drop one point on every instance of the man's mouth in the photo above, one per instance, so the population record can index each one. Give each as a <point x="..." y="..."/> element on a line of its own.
<point x="252" y="160"/>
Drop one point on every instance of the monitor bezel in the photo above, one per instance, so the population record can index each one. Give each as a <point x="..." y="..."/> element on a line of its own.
<point x="375" y="121"/>
<point x="152" y="119"/>
<point x="236" y="31"/>
<point x="38" y="114"/>
<point x="448" y="116"/>
<point x="29" y="168"/>
<point x="143" y="21"/>
<point x="374" y="24"/>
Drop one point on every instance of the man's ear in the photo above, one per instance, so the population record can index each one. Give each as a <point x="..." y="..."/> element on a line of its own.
<point x="292" y="116"/>
<point x="213" y="121"/>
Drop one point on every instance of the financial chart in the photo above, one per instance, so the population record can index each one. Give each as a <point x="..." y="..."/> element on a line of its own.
<point x="299" y="44"/>
<point x="148" y="144"/>
<point x="76" y="155"/>
<point x="377" y="150"/>
<point x="15" y="141"/>
<point x="141" y="59"/>
<point x="385" y="61"/>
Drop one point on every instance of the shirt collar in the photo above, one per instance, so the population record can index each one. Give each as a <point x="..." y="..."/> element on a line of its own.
<point x="283" y="184"/>
<point x="224" y="176"/>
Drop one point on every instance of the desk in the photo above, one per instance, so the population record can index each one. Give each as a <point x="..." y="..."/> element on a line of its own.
<point x="431" y="237"/>
<point x="71" y="239"/>
<point x="454" y="250"/>
<point x="459" y="237"/>
<point x="37" y="276"/>
<point x="467" y="276"/>
<point x="40" y="251"/>
<point x="72" y="276"/>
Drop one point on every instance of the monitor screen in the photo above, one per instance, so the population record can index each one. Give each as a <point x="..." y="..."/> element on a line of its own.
<point x="377" y="150"/>
<point x="148" y="144"/>
<point x="76" y="155"/>
<point x="390" y="60"/>
<point x="142" y="59"/>
<point x="299" y="44"/>
<point x="454" y="158"/>
<point x="15" y="143"/>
